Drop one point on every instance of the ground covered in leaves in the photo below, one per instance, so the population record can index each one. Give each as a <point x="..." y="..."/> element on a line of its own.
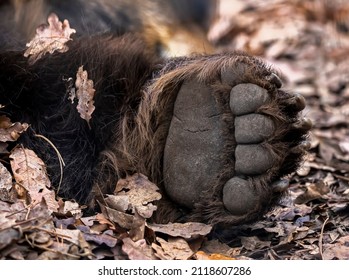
<point x="308" y="41"/>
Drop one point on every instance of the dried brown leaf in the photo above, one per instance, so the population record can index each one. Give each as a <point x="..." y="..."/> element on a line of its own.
<point x="215" y="246"/>
<point x="124" y="220"/>
<point x="138" y="192"/>
<point x="3" y="148"/>
<point x="30" y="173"/>
<point x="13" y="251"/>
<point x="253" y="243"/>
<point x="5" y="178"/>
<point x="327" y="152"/>
<point x="88" y="221"/>
<point x="71" y="207"/>
<point x="200" y="255"/>
<point x="289" y="213"/>
<point x="49" y="38"/>
<point x="173" y="249"/>
<point x="338" y="250"/>
<point x="104" y="221"/>
<point x="186" y="230"/>
<point x="99" y="239"/>
<point x="6" y="220"/>
<point x="8" y="195"/>
<point x="41" y="238"/>
<point x="65" y="222"/>
<point x="10" y="131"/>
<point x="85" y="94"/>
<point x="314" y="191"/>
<point x="70" y="235"/>
<point x="137" y="231"/>
<point x="138" y="250"/>
<point x="8" y="236"/>
<point x="118" y="202"/>
<point x="18" y="220"/>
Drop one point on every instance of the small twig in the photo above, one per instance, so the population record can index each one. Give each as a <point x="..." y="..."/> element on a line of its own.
<point x="33" y="245"/>
<point x="28" y="212"/>
<point x="53" y="146"/>
<point x="53" y="233"/>
<point x="56" y="235"/>
<point x="21" y="210"/>
<point x="18" y="224"/>
<point x="60" y="158"/>
<point x="322" y="236"/>
<point x="341" y="177"/>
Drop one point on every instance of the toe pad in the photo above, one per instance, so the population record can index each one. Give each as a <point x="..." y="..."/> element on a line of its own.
<point x="247" y="98"/>
<point x="253" y="128"/>
<point x="239" y="196"/>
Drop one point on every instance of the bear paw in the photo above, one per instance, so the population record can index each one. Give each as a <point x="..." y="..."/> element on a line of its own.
<point x="233" y="137"/>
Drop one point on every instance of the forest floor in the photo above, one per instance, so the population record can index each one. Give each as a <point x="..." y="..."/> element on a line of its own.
<point x="308" y="41"/>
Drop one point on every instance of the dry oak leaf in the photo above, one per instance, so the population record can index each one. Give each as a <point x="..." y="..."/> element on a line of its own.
<point x="103" y="238"/>
<point x="314" y="191"/>
<point x="186" y="230"/>
<point x="104" y="221"/>
<point x="30" y="173"/>
<point x="49" y="38"/>
<point x="173" y="249"/>
<point x="122" y="219"/>
<point x="137" y="192"/>
<point x="70" y="207"/>
<point x="116" y="214"/>
<point x="70" y="235"/>
<point x="85" y="94"/>
<point x="10" y="131"/>
<point x="138" y="250"/>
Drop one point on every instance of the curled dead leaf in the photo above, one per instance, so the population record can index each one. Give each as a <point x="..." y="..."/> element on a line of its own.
<point x="104" y="221"/>
<point x="314" y="191"/>
<point x="10" y="131"/>
<point x="136" y="193"/>
<point x="72" y="208"/>
<point x="49" y="38"/>
<point x="85" y="94"/>
<point x="122" y="219"/>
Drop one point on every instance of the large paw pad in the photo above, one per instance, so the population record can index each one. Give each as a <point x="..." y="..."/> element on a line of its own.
<point x="231" y="141"/>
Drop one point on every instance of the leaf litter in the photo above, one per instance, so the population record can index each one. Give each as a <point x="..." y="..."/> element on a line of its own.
<point x="309" y="44"/>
